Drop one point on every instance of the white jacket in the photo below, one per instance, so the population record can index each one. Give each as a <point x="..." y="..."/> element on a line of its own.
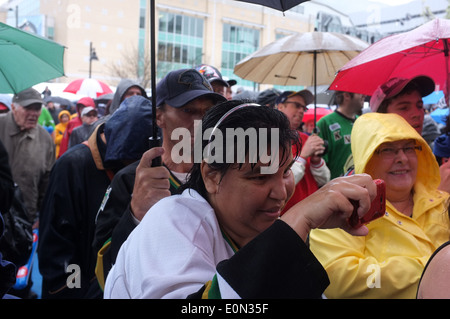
<point x="183" y="233"/>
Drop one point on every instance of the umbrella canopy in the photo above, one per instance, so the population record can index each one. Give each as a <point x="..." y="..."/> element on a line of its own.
<point x="309" y="59"/>
<point x="27" y="59"/>
<point x="88" y="87"/>
<point x="320" y="112"/>
<point x="58" y="99"/>
<point x="421" y="51"/>
<point x="290" y="60"/>
<point x="281" y="5"/>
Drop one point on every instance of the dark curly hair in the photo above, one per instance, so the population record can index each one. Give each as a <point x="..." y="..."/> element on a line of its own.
<point x="247" y="117"/>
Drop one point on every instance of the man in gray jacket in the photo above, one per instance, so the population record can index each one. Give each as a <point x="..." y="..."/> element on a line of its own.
<point x="30" y="148"/>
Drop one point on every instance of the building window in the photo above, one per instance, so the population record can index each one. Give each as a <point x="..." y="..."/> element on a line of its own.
<point x="238" y="42"/>
<point x="180" y="42"/>
<point x="141" y="41"/>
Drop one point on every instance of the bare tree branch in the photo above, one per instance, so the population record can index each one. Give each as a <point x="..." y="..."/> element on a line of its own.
<point x="132" y="65"/>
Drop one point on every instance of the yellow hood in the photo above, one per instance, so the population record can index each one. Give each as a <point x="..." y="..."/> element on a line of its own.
<point x="372" y="129"/>
<point x="60" y="114"/>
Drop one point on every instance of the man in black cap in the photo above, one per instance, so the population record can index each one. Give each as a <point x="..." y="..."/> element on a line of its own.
<point x="30" y="148"/>
<point x="183" y="96"/>
<point x="77" y="186"/>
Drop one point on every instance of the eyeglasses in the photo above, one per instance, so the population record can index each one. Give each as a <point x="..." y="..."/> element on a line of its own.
<point x="297" y="105"/>
<point x="391" y="152"/>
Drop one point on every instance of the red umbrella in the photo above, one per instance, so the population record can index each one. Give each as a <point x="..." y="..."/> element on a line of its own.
<point x="320" y="112"/>
<point x="422" y="51"/>
<point x="88" y="87"/>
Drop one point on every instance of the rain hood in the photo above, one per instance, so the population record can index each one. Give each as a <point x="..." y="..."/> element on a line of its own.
<point x="390" y="128"/>
<point x="121" y="89"/>
<point x="127" y="131"/>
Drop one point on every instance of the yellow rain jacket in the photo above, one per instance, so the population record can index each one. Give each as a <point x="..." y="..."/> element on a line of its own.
<point x="388" y="262"/>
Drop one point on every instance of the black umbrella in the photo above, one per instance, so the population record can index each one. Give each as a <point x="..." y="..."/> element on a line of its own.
<point x="281" y="5"/>
<point x="155" y="140"/>
<point x="58" y="99"/>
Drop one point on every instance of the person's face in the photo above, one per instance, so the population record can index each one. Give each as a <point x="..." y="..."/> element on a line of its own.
<point x="410" y="107"/>
<point x="134" y="90"/>
<point x="308" y="127"/>
<point x="357" y="102"/>
<point x="294" y="108"/>
<point x="170" y="118"/>
<point x="89" y="118"/>
<point x="26" y="117"/>
<point x="64" y="118"/>
<point x="395" y="163"/>
<point x="219" y="88"/>
<point x="229" y="93"/>
<point x="247" y="202"/>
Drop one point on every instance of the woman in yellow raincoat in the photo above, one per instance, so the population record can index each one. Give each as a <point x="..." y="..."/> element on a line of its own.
<point x="388" y="262"/>
<point x="60" y="128"/>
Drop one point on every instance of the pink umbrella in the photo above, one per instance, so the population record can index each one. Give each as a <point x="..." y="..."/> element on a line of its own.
<point x="422" y="51"/>
<point x="88" y="87"/>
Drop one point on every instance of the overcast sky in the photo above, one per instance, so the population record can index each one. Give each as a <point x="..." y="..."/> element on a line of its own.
<point x="350" y="6"/>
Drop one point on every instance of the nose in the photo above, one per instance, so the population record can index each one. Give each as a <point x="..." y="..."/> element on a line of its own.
<point x="400" y="155"/>
<point x="417" y="112"/>
<point x="280" y="189"/>
<point x="199" y="115"/>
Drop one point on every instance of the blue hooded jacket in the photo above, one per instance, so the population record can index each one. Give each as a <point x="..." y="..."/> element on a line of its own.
<point x="130" y="140"/>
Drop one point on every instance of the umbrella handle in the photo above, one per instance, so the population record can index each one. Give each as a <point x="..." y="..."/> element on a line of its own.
<point x="152" y="142"/>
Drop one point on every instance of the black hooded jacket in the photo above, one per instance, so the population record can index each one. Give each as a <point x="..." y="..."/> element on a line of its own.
<point x="77" y="186"/>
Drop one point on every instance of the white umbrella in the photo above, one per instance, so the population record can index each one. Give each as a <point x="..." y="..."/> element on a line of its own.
<point x="309" y="59"/>
<point x="290" y="60"/>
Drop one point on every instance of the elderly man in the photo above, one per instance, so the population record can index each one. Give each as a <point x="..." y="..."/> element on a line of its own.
<point x="30" y="148"/>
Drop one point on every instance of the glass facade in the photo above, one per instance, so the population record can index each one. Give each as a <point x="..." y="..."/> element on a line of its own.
<point x="237" y="43"/>
<point x="142" y="35"/>
<point x="180" y="42"/>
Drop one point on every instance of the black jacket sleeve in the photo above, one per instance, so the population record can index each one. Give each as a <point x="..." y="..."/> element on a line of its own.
<point x="6" y="181"/>
<point x="276" y="264"/>
<point x="115" y="205"/>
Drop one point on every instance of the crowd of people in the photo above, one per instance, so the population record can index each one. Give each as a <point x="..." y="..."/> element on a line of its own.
<point x="218" y="225"/>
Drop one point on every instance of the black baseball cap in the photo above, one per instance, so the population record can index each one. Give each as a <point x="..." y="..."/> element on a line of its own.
<point x="305" y="94"/>
<point x="268" y="96"/>
<point x="179" y="87"/>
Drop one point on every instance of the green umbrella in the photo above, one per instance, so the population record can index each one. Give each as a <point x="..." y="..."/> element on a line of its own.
<point x="27" y="59"/>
